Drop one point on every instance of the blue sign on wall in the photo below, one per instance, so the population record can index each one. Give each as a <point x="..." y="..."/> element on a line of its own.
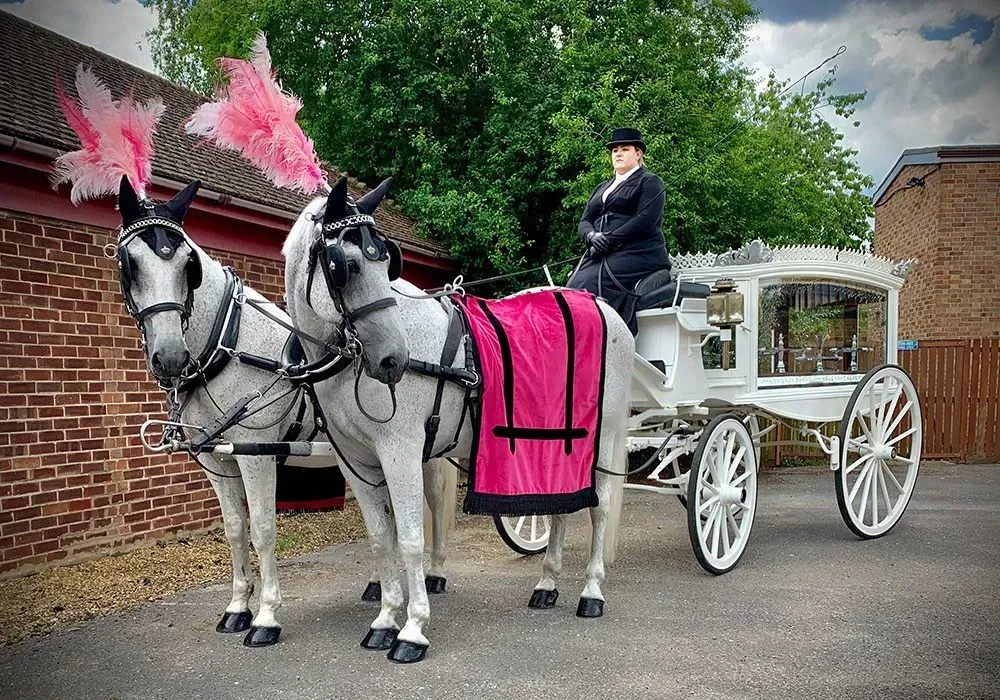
<point x="907" y="345"/>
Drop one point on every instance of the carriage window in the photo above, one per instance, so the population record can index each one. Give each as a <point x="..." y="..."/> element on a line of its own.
<point x="814" y="327"/>
<point x="711" y="352"/>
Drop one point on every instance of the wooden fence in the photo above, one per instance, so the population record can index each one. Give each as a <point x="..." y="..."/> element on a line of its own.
<point x="959" y="386"/>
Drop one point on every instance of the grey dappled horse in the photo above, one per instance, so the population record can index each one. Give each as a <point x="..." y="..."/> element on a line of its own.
<point x="337" y="279"/>
<point x="178" y="295"/>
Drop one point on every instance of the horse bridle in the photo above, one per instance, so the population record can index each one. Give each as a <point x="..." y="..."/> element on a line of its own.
<point x="327" y="254"/>
<point x="165" y="250"/>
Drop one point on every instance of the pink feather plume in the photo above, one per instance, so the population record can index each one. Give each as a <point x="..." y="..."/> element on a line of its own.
<point x="254" y="116"/>
<point x="116" y="135"/>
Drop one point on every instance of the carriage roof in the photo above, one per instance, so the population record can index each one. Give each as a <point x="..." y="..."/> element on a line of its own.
<point x="757" y="259"/>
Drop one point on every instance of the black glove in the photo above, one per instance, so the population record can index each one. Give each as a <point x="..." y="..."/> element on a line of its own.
<point x="599" y="244"/>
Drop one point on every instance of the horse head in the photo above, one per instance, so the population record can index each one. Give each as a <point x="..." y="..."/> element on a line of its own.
<point x="344" y="252"/>
<point x="159" y="269"/>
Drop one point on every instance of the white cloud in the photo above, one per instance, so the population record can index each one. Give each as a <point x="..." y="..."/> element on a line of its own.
<point x="111" y="26"/>
<point x="920" y="92"/>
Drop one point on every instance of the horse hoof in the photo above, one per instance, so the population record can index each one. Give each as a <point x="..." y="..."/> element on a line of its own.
<point x="435" y="584"/>
<point x="406" y="653"/>
<point x="373" y="592"/>
<point x="234" y="622"/>
<point x="380" y="640"/>
<point x="543" y="600"/>
<point x="590" y="607"/>
<point x="262" y="637"/>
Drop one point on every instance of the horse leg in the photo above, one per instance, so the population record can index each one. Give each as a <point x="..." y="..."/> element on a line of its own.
<point x="234" y="520"/>
<point x="545" y="594"/>
<point x="436" y="493"/>
<point x="260" y="477"/>
<point x="405" y="485"/>
<point x="604" y="523"/>
<point x="376" y="511"/>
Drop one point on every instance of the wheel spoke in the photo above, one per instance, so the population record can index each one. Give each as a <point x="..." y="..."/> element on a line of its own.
<point x="864" y="427"/>
<point x="899" y="417"/>
<point x="885" y="491"/>
<point x="871" y="411"/>
<point x="741" y="478"/>
<point x="855" y="463"/>
<point x="874" y="489"/>
<point x="865" y="490"/>
<point x="861" y="477"/>
<point x="709" y="503"/>
<point x="724" y="526"/>
<point x="716" y="528"/>
<point x="520" y="524"/>
<point x="857" y="444"/>
<point x="732" y="520"/>
<point x="728" y="459"/>
<point x="892" y="476"/>
<point x="901" y="436"/>
<point x="708" y="486"/>
<point x="737" y="460"/>
<point x="892" y="406"/>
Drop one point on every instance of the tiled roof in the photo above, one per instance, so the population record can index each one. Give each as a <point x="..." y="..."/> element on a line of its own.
<point x="32" y="58"/>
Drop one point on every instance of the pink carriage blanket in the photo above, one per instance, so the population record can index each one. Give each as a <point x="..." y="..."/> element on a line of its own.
<point x="538" y="425"/>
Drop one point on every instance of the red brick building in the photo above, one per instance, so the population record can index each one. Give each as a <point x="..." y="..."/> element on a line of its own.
<point x="74" y="479"/>
<point x="941" y="205"/>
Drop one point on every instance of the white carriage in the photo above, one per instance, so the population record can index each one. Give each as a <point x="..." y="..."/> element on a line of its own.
<point x="802" y="336"/>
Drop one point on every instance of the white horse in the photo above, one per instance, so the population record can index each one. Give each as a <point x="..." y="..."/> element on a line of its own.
<point x="331" y="283"/>
<point x="183" y="302"/>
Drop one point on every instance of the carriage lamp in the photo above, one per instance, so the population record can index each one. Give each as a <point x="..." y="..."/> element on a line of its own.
<point x="725" y="304"/>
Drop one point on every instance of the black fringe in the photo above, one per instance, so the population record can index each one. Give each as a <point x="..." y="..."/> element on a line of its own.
<point x="530" y="504"/>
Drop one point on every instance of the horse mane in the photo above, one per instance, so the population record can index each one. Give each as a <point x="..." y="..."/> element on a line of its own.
<point x="303" y="227"/>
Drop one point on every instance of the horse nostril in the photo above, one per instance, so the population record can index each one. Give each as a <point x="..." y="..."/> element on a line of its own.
<point x="389" y="364"/>
<point x="155" y="363"/>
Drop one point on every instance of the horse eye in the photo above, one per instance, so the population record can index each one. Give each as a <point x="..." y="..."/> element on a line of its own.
<point x="353" y="267"/>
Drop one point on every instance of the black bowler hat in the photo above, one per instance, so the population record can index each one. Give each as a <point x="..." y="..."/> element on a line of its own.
<point x="626" y="137"/>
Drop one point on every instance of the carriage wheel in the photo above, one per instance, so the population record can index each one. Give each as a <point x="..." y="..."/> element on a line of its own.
<point x="525" y="534"/>
<point x="722" y="494"/>
<point x="880" y="439"/>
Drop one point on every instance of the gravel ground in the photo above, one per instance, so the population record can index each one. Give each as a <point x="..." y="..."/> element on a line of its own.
<point x="39" y="603"/>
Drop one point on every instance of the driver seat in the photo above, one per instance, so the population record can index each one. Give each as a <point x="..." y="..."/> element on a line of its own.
<point x="657" y="291"/>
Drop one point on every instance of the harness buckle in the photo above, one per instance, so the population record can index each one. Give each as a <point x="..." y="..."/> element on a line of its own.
<point x="474" y="382"/>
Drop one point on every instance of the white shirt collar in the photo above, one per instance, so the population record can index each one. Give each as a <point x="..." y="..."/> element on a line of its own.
<point x="625" y="176"/>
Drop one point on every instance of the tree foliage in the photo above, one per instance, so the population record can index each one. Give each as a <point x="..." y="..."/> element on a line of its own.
<point x="491" y="114"/>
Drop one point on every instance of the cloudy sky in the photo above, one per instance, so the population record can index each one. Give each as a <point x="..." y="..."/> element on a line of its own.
<point x="931" y="67"/>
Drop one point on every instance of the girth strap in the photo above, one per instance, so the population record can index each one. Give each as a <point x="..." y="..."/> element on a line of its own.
<point x="445" y="372"/>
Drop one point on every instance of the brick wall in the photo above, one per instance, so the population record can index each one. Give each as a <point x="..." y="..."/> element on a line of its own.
<point x="74" y="479"/>
<point x="952" y="226"/>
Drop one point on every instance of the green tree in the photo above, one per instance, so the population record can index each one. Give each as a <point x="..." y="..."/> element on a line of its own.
<point x="491" y="114"/>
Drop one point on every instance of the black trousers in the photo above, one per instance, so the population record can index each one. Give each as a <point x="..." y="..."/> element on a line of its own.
<point x="628" y="267"/>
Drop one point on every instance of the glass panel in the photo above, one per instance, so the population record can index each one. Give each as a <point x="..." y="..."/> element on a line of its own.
<point x="816" y="326"/>
<point x="711" y="352"/>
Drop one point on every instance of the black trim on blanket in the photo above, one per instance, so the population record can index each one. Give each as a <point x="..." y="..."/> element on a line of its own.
<point x="600" y="391"/>
<point x="531" y="504"/>
<point x="567" y="435"/>
<point x="508" y="367"/>
<point x="567" y="316"/>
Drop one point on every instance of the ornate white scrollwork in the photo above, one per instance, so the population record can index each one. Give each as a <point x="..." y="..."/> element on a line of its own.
<point x="754" y="252"/>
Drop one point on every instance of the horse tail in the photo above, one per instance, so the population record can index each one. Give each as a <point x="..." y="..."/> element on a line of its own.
<point x="619" y="465"/>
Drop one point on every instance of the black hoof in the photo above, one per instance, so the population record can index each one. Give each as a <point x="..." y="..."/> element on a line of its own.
<point x="590" y="607"/>
<point x="435" y="584"/>
<point x="234" y="622"/>
<point x="262" y="636"/>
<point x="379" y="640"/>
<point x="543" y="600"/>
<point x="373" y="592"/>
<point x="406" y="653"/>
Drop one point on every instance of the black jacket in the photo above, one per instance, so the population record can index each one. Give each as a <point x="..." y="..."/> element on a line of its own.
<point x="631" y="218"/>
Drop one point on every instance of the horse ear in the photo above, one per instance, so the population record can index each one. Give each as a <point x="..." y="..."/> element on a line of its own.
<point x="128" y="202"/>
<point x="369" y="203"/>
<point x="336" y="203"/>
<point x="178" y="206"/>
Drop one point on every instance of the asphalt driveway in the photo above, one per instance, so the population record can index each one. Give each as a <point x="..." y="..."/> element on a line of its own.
<point x="811" y="612"/>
